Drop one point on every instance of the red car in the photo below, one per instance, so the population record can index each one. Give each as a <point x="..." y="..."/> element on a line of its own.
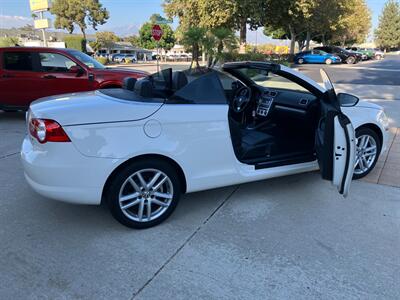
<point x="28" y="73"/>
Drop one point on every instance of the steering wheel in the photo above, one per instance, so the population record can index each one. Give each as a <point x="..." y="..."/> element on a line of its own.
<point x="241" y="99"/>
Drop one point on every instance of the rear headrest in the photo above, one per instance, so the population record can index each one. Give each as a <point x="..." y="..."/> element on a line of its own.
<point x="144" y="88"/>
<point x="179" y="80"/>
<point x="129" y="83"/>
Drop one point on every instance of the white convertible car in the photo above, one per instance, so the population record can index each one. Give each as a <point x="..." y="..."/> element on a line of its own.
<point x="139" y="148"/>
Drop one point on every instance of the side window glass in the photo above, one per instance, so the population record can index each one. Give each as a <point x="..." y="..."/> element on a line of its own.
<point x="18" y="61"/>
<point x="205" y="89"/>
<point x="53" y="62"/>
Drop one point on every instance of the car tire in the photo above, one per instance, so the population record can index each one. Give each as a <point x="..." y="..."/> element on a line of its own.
<point x="368" y="160"/>
<point x="300" y="61"/>
<point x="162" y="196"/>
<point x="350" y="60"/>
<point x="378" y="57"/>
<point x="328" y="61"/>
<point x="123" y="60"/>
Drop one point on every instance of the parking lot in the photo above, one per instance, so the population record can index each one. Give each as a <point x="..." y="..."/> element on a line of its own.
<point x="290" y="238"/>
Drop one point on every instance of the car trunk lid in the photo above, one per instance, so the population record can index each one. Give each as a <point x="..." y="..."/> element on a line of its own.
<point x="95" y="107"/>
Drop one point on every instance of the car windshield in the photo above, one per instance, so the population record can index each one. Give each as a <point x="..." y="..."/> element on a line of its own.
<point x="87" y="60"/>
<point x="270" y="79"/>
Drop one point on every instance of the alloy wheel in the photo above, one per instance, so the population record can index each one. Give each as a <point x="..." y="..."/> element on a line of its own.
<point x="300" y="61"/>
<point x="146" y="195"/>
<point x="366" y="152"/>
<point x="328" y="61"/>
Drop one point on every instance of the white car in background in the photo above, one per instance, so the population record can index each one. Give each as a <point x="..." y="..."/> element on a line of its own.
<point x="138" y="149"/>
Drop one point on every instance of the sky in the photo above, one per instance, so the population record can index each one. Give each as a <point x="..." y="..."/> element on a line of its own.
<point x="126" y="16"/>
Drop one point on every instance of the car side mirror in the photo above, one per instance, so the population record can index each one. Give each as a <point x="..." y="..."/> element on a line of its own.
<point x="347" y="100"/>
<point x="76" y="70"/>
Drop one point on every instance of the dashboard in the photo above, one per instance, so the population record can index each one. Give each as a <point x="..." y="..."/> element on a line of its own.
<point x="294" y="102"/>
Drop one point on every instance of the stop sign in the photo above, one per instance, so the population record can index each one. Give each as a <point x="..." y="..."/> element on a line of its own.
<point x="156" y="32"/>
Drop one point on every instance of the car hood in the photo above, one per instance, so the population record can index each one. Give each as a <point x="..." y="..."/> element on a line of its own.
<point x="365" y="104"/>
<point x="91" y="108"/>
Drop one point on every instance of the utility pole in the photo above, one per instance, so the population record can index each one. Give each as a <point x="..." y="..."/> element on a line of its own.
<point x="43" y="30"/>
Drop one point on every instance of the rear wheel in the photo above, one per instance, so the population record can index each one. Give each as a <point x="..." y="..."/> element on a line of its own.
<point x="367" y="152"/>
<point x="378" y="57"/>
<point x="300" y="61"/>
<point x="328" y="61"/>
<point x="144" y="194"/>
<point x="350" y="60"/>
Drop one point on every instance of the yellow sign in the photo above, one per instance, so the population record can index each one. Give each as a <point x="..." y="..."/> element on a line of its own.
<point x="39" y="5"/>
<point x="42" y="23"/>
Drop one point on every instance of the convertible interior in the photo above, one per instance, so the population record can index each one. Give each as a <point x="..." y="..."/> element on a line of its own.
<point x="269" y="126"/>
<point x="273" y="126"/>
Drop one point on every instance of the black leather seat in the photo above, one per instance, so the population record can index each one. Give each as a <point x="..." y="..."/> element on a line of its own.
<point x="144" y="88"/>
<point x="129" y="83"/>
<point x="251" y="144"/>
<point x="179" y="80"/>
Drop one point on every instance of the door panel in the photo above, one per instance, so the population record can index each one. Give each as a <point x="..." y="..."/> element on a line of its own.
<point x="19" y="81"/>
<point x="57" y="78"/>
<point x="344" y="157"/>
<point x="335" y="141"/>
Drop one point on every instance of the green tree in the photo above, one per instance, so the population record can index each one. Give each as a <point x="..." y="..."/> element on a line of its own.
<point x="192" y="38"/>
<point x="233" y="14"/>
<point x="81" y="13"/>
<point x="134" y="40"/>
<point x="350" y="29"/>
<point x="146" y="40"/>
<point x="387" y="35"/>
<point x="106" y="39"/>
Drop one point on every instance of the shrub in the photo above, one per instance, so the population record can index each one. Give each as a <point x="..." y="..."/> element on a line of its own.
<point x="255" y="56"/>
<point x="8" y="41"/>
<point x="75" y="42"/>
<point x="102" y="60"/>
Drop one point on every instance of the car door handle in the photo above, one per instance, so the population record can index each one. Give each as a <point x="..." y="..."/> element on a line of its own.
<point x="49" y="77"/>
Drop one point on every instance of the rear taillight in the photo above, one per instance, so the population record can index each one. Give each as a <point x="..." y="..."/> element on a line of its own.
<point x="45" y="130"/>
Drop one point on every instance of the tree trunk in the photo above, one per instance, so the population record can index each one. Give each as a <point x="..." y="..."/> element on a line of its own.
<point x="308" y="40"/>
<point x="83" y="32"/>
<point x="243" y="35"/>
<point x="323" y="39"/>
<point x="292" y="41"/>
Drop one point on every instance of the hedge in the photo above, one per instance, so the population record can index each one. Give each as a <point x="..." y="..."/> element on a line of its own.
<point x="282" y="59"/>
<point x="102" y="60"/>
<point x="75" y="42"/>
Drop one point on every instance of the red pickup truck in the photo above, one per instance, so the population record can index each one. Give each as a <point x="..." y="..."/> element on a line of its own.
<point x="29" y="73"/>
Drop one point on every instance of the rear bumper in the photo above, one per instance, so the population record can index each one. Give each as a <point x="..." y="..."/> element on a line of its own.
<point x="58" y="171"/>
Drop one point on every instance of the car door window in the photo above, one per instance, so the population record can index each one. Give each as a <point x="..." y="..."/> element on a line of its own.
<point x="53" y="62"/>
<point x="18" y="61"/>
<point x="202" y="89"/>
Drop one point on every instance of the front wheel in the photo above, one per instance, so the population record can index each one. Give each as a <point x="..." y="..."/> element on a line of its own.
<point x="300" y="61"/>
<point x="144" y="194"/>
<point x="367" y="152"/>
<point x="350" y="60"/>
<point x="328" y="61"/>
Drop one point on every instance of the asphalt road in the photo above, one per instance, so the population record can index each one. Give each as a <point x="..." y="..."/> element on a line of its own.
<point x="384" y="72"/>
<point x="286" y="238"/>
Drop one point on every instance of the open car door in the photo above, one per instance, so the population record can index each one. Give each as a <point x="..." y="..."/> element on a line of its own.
<point x="335" y="141"/>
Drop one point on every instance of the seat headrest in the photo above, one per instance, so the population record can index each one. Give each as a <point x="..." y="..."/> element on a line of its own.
<point x="129" y="83"/>
<point x="144" y="88"/>
<point x="179" y="80"/>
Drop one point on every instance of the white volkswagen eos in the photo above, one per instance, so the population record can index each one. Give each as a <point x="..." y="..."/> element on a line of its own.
<point x="139" y="148"/>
